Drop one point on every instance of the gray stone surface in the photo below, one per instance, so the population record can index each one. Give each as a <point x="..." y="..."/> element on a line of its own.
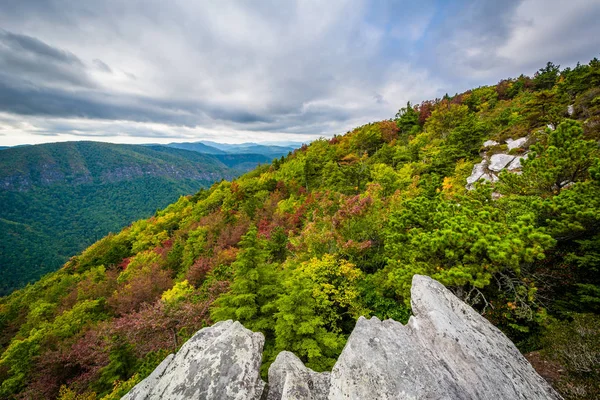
<point x="446" y="351"/>
<point x="142" y="389"/>
<point x="515" y="164"/>
<point x="289" y="379"/>
<point x="220" y="362"/>
<point x="489" y="168"/>
<point x="515" y="144"/>
<point x="478" y="171"/>
<point x="490" y="143"/>
<point x="499" y="161"/>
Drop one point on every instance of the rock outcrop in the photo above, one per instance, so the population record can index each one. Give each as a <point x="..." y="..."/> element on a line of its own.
<point x="492" y="164"/>
<point x="290" y="379"/>
<point x="446" y="351"/>
<point x="220" y="362"/>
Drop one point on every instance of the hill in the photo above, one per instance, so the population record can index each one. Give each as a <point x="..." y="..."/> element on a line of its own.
<point x="243" y="162"/>
<point x="56" y="199"/>
<point x="241" y="157"/>
<point x="273" y="151"/>
<point x="197" y="146"/>
<point x="494" y="192"/>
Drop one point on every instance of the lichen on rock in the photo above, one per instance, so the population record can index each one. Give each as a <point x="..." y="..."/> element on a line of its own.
<point x="446" y="351"/>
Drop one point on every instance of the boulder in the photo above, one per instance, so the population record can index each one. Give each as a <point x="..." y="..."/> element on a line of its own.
<point x="490" y="143"/>
<point x="478" y="171"/>
<point x="219" y="362"/>
<point x="143" y="389"/>
<point x="289" y="379"/>
<point x="515" y="144"/>
<point x="499" y="161"/>
<point x="446" y="351"/>
<point x="515" y="164"/>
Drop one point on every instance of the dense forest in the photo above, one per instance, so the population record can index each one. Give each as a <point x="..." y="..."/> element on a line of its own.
<point x="242" y="157"/>
<point x="57" y="199"/>
<point x="300" y="248"/>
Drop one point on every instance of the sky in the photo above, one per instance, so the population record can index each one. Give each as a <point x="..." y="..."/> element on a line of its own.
<point x="157" y="71"/>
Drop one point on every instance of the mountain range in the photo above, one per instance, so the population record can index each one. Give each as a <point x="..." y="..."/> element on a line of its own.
<point x="493" y="192"/>
<point x="58" y="198"/>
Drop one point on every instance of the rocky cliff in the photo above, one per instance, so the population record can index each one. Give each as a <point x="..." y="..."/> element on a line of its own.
<point x="446" y="351"/>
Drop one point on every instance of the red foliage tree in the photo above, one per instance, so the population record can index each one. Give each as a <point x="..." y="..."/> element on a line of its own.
<point x="146" y="286"/>
<point x="389" y="130"/>
<point x="425" y="109"/>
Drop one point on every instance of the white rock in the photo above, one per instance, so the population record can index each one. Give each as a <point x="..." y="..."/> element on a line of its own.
<point x="499" y="161"/>
<point x="220" y="362"/>
<point x="515" y="164"/>
<point x="289" y="379"/>
<point x="489" y="177"/>
<point x="446" y="351"/>
<point x="478" y="170"/>
<point x="142" y="389"/>
<point x="490" y="143"/>
<point x="515" y="144"/>
<point x="570" y="110"/>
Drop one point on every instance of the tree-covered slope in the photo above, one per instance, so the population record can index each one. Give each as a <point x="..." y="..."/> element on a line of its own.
<point x="272" y="151"/>
<point x="196" y="146"/>
<point x="299" y="249"/>
<point x="241" y="157"/>
<point x="243" y="162"/>
<point x="56" y="199"/>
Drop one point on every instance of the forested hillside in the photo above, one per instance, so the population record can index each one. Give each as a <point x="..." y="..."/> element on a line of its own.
<point x="301" y="248"/>
<point x="240" y="157"/>
<point x="57" y="199"/>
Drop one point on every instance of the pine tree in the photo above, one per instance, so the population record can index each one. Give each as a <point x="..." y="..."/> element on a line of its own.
<point x="317" y="296"/>
<point x="253" y="288"/>
<point x="563" y="160"/>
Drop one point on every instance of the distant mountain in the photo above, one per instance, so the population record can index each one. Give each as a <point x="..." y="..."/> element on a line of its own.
<point x="243" y="162"/>
<point x="242" y="157"/>
<point x="251" y="148"/>
<point x="198" y="147"/>
<point x="56" y="199"/>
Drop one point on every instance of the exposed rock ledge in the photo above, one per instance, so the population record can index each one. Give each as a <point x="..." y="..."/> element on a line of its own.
<point x="446" y="351"/>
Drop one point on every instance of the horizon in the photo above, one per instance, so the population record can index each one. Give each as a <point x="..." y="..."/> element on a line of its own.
<point x="140" y="73"/>
<point x="206" y="142"/>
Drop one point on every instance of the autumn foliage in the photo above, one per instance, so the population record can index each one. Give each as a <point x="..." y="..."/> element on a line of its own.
<point x="300" y="248"/>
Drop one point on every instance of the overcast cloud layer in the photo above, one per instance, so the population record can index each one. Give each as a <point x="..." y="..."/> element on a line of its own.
<point x="233" y="71"/>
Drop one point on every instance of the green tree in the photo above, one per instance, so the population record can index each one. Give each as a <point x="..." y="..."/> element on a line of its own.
<point x="464" y="244"/>
<point x="560" y="159"/>
<point x="407" y="119"/>
<point x="546" y="78"/>
<point x="573" y="218"/>
<point x="254" y="287"/>
<point x="319" y="297"/>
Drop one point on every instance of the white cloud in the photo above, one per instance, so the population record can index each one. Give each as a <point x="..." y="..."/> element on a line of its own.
<point x="153" y="70"/>
<point x="552" y="30"/>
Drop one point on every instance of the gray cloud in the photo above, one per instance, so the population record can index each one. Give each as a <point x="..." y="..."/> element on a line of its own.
<point x="27" y="58"/>
<point x="101" y="65"/>
<point x="303" y="67"/>
<point x="37" y="48"/>
<point x="483" y="41"/>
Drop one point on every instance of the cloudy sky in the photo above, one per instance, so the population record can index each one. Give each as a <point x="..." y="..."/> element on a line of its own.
<point x="261" y="70"/>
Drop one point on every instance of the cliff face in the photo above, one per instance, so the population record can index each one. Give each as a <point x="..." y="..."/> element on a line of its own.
<point x="446" y="351"/>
